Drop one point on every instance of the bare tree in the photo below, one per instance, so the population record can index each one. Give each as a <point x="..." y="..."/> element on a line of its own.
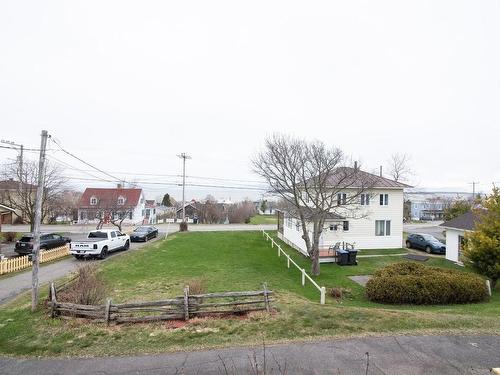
<point x="111" y="209"/>
<point x="22" y="195"/>
<point x="241" y="212"/>
<point x="210" y="212"/>
<point x="66" y="205"/>
<point x="399" y="167"/>
<point x="312" y="179"/>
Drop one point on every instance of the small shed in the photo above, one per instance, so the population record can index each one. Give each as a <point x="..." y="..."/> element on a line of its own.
<point x="455" y="234"/>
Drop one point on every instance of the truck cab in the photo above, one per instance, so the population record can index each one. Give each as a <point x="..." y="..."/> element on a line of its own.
<point x="100" y="243"/>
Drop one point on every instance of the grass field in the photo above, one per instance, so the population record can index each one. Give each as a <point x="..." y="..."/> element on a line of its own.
<point x="232" y="261"/>
<point x="264" y="219"/>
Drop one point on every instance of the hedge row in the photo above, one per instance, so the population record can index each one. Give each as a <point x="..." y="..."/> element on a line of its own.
<point x="414" y="283"/>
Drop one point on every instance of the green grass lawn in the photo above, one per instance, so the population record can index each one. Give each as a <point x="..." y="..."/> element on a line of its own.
<point x="232" y="261"/>
<point x="264" y="219"/>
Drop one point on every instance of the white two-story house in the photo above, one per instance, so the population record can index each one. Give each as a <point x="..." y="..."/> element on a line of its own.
<point x="106" y="202"/>
<point x="377" y="222"/>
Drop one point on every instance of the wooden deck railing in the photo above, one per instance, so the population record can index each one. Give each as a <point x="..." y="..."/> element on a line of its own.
<point x="19" y="263"/>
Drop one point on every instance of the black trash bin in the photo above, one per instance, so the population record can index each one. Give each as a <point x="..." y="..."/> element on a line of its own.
<point x="351" y="259"/>
<point x="342" y="257"/>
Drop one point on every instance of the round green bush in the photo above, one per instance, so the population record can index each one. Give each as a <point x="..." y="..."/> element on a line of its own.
<point x="416" y="284"/>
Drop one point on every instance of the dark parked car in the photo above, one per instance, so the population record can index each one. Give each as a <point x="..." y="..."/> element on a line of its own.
<point x="47" y="241"/>
<point x="143" y="234"/>
<point x="425" y="242"/>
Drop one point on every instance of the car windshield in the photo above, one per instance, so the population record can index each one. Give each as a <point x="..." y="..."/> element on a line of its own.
<point x="26" y="239"/>
<point x="98" y="235"/>
<point x="141" y="229"/>
<point x="430" y="238"/>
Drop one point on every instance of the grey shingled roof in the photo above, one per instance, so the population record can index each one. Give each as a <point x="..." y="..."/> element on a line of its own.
<point x="464" y="222"/>
<point x="349" y="177"/>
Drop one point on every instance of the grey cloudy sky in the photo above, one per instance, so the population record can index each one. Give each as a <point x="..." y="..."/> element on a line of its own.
<point x="127" y="85"/>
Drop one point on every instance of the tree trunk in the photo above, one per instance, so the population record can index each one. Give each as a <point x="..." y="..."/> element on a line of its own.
<point x="315" y="267"/>
<point x="493" y="284"/>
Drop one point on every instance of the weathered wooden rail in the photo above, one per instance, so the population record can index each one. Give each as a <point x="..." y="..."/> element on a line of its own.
<point x="19" y="263"/>
<point x="178" y="308"/>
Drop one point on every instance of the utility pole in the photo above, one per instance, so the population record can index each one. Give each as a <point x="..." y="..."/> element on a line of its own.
<point x="474" y="183"/>
<point x="184" y="156"/>
<point x="38" y="218"/>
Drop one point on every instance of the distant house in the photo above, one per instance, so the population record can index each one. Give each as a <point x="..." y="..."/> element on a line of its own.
<point x="191" y="212"/>
<point x="112" y="202"/>
<point x="150" y="216"/>
<point x="12" y="192"/>
<point x="455" y="234"/>
<point x="270" y="207"/>
<point x="431" y="205"/>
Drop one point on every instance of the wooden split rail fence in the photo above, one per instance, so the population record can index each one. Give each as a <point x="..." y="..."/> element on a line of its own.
<point x="289" y="260"/>
<point x="19" y="263"/>
<point x="179" y="308"/>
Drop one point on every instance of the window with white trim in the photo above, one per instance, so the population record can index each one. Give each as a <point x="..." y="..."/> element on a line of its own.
<point x="341" y="199"/>
<point x="382" y="227"/>
<point x="121" y="201"/>
<point x="93" y="201"/>
<point x="384" y="199"/>
<point x="345" y="225"/>
<point x="289" y="222"/>
<point x="365" y="199"/>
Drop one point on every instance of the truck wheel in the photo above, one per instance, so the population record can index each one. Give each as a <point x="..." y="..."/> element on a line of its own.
<point x="127" y="245"/>
<point x="104" y="253"/>
<point x="408" y="244"/>
<point x="78" y="257"/>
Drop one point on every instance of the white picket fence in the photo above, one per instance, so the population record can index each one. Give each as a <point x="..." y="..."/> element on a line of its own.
<point x="19" y="263"/>
<point x="322" y="289"/>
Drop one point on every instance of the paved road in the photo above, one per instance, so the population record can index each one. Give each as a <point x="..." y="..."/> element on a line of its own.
<point x="411" y="355"/>
<point x="81" y="229"/>
<point x="431" y="228"/>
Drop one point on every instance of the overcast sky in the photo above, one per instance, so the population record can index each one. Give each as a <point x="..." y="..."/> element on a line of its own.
<point x="128" y="85"/>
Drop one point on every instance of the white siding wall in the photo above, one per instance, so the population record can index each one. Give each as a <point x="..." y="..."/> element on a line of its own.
<point x="452" y="243"/>
<point x="293" y="237"/>
<point x="139" y="212"/>
<point x="361" y="230"/>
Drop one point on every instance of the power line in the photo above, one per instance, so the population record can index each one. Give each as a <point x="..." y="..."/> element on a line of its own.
<point x="173" y="184"/>
<point x="86" y="163"/>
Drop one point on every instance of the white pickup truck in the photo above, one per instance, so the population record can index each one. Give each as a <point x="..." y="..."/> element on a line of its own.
<point x="100" y="243"/>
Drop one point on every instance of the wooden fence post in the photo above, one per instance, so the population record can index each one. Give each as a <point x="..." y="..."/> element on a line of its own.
<point x="303" y="277"/>
<point x="279" y="250"/>
<point x="186" y="303"/>
<point x="288" y="260"/>
<point x="53" y="300"/>
<point x="323" y="295"/>
<point x="266" y="297"/>
<point x="107" y="311"/>
<point x="488" y="286"/>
